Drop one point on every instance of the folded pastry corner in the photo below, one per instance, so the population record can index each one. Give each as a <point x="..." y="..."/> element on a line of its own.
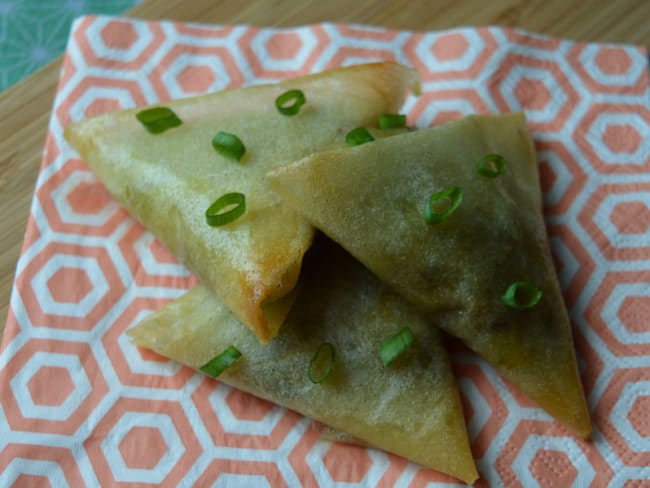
<point x="411" y="408"/>
<point x="168" y="180"/>
<point x="450" y="217"/>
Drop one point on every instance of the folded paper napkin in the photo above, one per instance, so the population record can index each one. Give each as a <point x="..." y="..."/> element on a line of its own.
<point x="80" y="405"/>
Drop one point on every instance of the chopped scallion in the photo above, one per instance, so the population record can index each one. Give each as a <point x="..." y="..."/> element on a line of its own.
<point x="289" y="102"/>
<point x="158" y="119"/>
<point x="452" y="197"/>
<point x="221" y="362"/>
<point x="219" y="214"/>
<point x="396" y="345"/>
<point x="358" y="136"/>
<point x="392" y="121"/>
<point x="321" y="364"/>
<point x="229" y="146"/>
<point x="521" y="295"/>
<point x="491" y="165"/>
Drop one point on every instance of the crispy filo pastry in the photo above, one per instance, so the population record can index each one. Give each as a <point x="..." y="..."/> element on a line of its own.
<point x="410" y="408"/>
<point x="168" y="180"/>
<point x="371" y="200"/>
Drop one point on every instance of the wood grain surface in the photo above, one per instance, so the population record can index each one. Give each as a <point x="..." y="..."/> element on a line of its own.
<point x="25" y="107"/>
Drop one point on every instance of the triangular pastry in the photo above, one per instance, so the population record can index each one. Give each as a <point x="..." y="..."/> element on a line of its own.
<point x="410" y="408"/>
<point x="168" y="180"/>
<point x="461" y="267"/>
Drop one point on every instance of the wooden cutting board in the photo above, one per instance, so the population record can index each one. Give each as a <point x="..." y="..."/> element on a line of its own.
<point x="25" y="107"/>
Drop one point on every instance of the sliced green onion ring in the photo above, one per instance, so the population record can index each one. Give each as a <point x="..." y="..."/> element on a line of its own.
<point x="321" y="364"/>
<point x="491" y="165"/>
<point x="522" y="295"/>
<point x="358" y="136"/>
<point x="453" y="194"/>
<point x="218" y="213"/>
<point x="284" y="102"/>
<point x="221" y="362"/>
<point x="229" y="146"/>
<point x="395" y="345"/>
<point x="392" y="121"/>
<point x="158" y="119"/>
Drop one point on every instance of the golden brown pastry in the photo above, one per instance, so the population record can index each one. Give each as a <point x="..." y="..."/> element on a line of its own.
<point x="168" y="180"/>
<point x="410" y="408"/>
<point x="371" y="200"/>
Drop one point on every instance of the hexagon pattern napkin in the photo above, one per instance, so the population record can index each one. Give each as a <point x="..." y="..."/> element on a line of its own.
<point x="80" y="405"/>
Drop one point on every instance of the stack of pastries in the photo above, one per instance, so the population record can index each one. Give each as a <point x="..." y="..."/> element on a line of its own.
<point x="335" y="247"/>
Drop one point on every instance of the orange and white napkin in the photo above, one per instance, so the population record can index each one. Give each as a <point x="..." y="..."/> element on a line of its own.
<point x="80" y="405"/>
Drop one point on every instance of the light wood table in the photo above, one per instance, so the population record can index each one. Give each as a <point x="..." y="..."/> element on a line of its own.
<point x="25" y="107"/>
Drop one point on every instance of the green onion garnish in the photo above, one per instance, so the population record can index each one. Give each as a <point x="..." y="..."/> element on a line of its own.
<point x="221" y="362"/>
<point x="158" y="119"/>
<point x="491" y="165"/>
<point x="284" y="102"/>
<point x="392" y="121"/>
<point x="521" y="295"/>
<point x="321" y="364"/>
<point x="453" y="196"/>
<point x="358" y="136"/>
<point x="217" y="215"/>
<point x="396" y="345"/>
<point x="229" y="146"/>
